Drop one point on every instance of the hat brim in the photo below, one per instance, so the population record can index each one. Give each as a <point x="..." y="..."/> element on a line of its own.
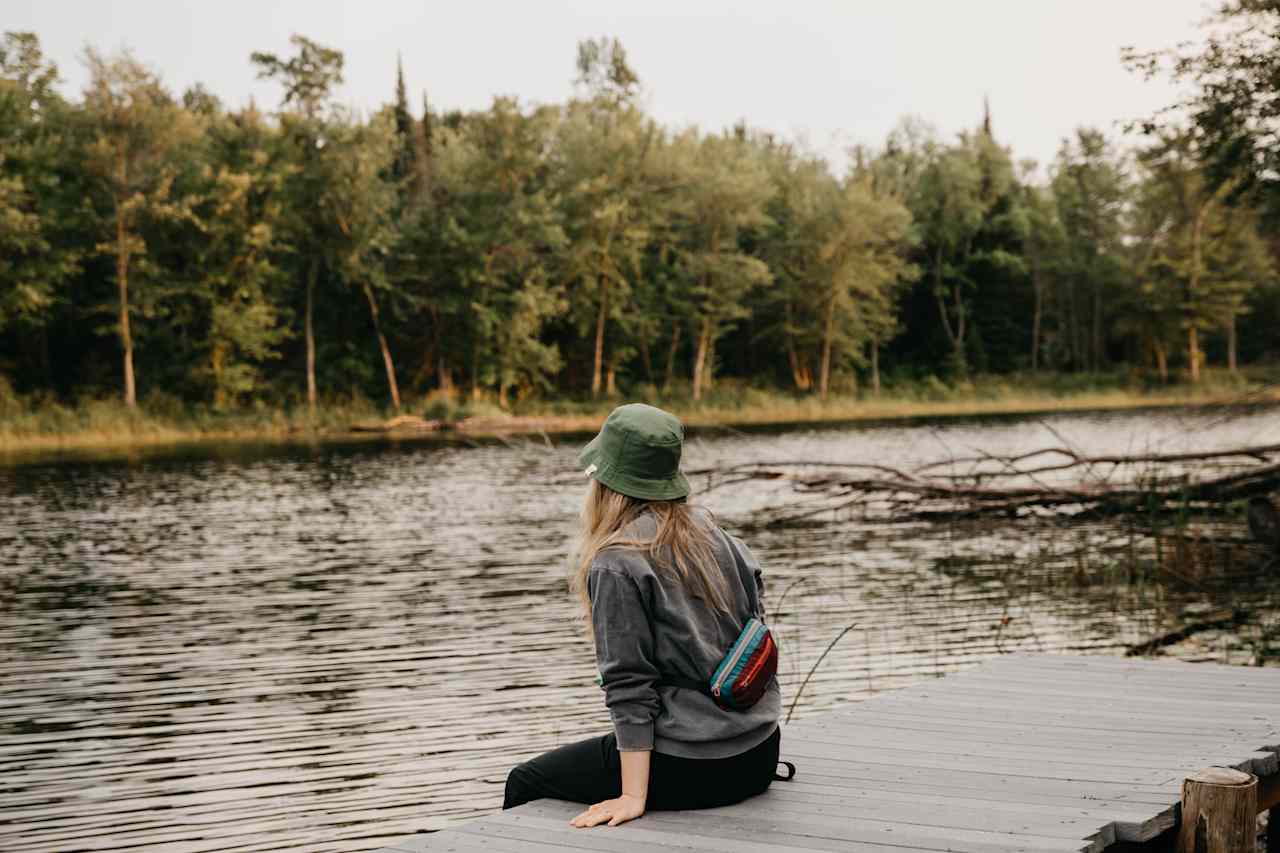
<point x="589" y="455"/>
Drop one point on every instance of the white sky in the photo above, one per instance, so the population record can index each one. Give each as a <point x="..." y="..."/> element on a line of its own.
<point x="824" y="71"/>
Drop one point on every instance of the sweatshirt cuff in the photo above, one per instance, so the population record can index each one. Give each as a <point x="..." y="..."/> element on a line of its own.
<point x="634" y="736"/>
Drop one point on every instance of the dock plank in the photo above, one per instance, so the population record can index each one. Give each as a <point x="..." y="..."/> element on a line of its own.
<point x="1025" y="752"/>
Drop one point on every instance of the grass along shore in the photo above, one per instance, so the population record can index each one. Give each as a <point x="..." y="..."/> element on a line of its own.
<point x="30" y="426"/>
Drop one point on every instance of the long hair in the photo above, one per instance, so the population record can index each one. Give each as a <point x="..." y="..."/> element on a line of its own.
<point x="681" y="547"/>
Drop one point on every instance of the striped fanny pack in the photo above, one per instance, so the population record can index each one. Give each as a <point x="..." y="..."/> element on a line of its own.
<point x="744" y="672"/>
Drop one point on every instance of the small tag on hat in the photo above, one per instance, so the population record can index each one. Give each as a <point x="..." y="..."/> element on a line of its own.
<point x="591" y="469"/>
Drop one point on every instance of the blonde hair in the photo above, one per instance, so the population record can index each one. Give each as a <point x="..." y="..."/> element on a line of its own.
<point x="681" y="547"/>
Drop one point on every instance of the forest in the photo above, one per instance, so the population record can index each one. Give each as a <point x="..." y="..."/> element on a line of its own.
<point x="167" y="252"/>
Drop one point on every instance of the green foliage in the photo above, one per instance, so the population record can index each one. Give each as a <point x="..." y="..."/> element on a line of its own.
<point x="308" y="76"/>
<point x="501" y="232"/>
<point x="565" y="256"/>
<point x="1231" y="82"/>
<point x="36" y="148"/>
<point x="239" y="280"/>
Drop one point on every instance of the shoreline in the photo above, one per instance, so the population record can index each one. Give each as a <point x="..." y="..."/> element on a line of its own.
<point x="19" y="449"/>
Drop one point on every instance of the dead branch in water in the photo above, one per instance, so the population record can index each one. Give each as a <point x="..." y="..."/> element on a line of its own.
<point x="1222" y="618"/>
<point x="1052" y="479"/>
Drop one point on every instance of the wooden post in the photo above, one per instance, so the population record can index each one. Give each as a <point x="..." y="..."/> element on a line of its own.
<point x="1219" y="812"/>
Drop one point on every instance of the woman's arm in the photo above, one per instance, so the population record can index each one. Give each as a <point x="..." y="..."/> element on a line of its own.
<point x="635" y="791"/>
<point x="635" y="774"/>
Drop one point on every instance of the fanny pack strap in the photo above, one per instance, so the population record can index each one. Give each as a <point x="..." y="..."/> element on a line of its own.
<point x="680" y="681"/>
<point x="739" y="563"/>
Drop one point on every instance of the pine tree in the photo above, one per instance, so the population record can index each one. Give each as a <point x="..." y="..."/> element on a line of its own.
<point x="405" y="165"/>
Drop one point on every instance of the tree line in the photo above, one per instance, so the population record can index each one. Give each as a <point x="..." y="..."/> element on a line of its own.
<point x="161" y="244"/>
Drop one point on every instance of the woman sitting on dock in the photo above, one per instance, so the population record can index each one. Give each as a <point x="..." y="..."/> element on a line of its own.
<point x="668" y="593"/>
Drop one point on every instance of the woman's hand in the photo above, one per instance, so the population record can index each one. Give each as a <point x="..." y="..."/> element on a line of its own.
<point x="621" y="810"/>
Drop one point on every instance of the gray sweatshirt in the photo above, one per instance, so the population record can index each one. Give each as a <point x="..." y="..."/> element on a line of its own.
<point x="647" y="626"/>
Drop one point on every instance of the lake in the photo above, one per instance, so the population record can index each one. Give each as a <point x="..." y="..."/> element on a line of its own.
<point x="326" y="647"/>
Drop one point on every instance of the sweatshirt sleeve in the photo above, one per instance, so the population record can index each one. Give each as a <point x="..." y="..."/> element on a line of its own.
<point x="624" y="655"/>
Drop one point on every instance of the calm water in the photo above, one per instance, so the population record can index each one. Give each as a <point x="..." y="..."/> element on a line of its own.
<point x="326" y="648"/>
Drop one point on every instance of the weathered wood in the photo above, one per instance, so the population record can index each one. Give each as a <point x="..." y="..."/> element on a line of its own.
<point x="1025" y="752"/>
<point x="1219" y="812"/>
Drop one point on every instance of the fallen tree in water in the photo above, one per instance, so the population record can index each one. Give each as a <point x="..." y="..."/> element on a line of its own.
<point x="504" y="424"/>
<point x="1049" y="480"/>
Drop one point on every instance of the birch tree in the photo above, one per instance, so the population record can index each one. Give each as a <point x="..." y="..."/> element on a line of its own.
<point x="137" y="134"/>
<point x="360" y="202"/>
<point x="726" y="194"/>
<point x="308" y="79"/>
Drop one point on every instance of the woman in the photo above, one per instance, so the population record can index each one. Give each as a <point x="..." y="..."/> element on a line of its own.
<point x="668" y="593"/>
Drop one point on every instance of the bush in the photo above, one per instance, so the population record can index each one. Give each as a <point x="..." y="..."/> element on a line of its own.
<point x="10" y="403"/>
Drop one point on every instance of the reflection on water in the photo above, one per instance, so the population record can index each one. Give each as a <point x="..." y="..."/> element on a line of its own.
<point x="327" y="648"/>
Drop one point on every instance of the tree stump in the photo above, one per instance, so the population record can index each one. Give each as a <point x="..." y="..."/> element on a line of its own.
<point x="1219" y="812"/>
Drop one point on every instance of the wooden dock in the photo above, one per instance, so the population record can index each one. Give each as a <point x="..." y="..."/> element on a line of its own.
<point x="1023" y="753"/>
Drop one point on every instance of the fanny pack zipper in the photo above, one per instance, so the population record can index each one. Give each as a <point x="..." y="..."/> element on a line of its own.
<point x="732" y="662"/>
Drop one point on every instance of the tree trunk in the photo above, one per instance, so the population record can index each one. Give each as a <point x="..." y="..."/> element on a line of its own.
<point x="1231" y="356"/>
<point x="1072" y="311"/>
<point x="671" y="355"/>
<point x="446" y="377"/>
<point x="610" y="379"/>
<point x="709" y="372"/>
<point x="955" y="334"/>
<point x="1097" y="325"/>
<point x="941" y="298"/>
<point x="824" y="372"/>
<point x="700" y="357"/>
<point x="875" y="368"/>
<point x="1035" y="321"/>
<point x="600" y="318"/>
<point x="1162" y="363"/>
<point x="799" y="375"/>
<point x="1193" y="354"/>
<point x="386" y="351"/>
<point x="126" y="337"/>
<point x="475" y="360"/>
<point x="1037" y="291"/>
<point x="1193" y="287"/>
<point x="311" y="337"/>
<point x="217" y="358"/>
<point x="646" y="360"/>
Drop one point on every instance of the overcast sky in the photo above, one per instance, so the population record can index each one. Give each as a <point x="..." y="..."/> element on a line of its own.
<point x="827" y="72"/>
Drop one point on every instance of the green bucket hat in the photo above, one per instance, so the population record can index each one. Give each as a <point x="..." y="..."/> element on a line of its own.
<point x="637" y="453"/>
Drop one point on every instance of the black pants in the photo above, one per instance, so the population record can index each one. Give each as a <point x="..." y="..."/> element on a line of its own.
<point x="591" y="770"/>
